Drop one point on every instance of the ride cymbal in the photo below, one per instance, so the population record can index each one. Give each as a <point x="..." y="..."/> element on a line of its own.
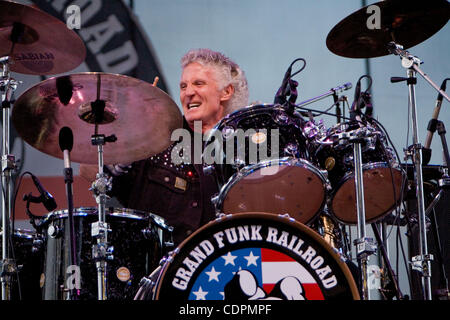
<point x="140" y="115"/>
<point x="407" y="23"/>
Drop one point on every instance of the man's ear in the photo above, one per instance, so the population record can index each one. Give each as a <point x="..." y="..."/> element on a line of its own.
<point x="227" y="92"/>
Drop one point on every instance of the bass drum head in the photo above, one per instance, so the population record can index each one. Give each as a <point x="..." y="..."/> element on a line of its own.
<point x="255" y="256"/>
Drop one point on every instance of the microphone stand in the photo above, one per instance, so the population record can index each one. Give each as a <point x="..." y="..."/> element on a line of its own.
<point x="338" y="108"/>
<point x="411" y="63"/>
<point x="68" y="179"/>
<point x="7" y="266"/>
<point x="364" y="245"/>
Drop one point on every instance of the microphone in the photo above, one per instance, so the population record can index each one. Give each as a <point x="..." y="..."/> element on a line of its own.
<point x="46" y="198"/>
<point x="66" y="144"/>
<point x="367" y="101"/>
<point x="355" y="108"/>
<point x="289" y="87"/>
<point x="283" y="91"/>
<point x="433" y="122"/>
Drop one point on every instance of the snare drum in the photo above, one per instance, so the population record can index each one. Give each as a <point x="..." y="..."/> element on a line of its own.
<point x="253" y="256"/>
<point x="263" y="163"/>
<point x="136" y="240"/>
<point x="382" y="175"/>
<point x="28" y="254"/>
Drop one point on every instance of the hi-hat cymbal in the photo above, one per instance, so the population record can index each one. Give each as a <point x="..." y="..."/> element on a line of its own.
<point x="44" y="44"/>
<point x="140" y="115"/>
<point x="407" y="23"/>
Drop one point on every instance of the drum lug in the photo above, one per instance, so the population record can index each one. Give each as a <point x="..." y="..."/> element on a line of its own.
<point x="215" y="199"/>
<point x="148" y="233"/>
<point x="101" y="252"/>
<point x="53" y="231"/>
<point x="208" y="169"/>
<point x="37" y="245"/>
<point x="238" y="163"/>
<point x="291" y="149"/>
<point x="280" y="117"/>
<point x="324" y="173"/>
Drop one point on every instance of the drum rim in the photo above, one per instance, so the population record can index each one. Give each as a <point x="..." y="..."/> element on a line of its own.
<point x="270" y="216"/>
<point x="118" y="212"/>
<point x="252" y="108"/>
<point x="22" y="233"/>
<point x="368" y="166"/>
<point x="297" y="162"/>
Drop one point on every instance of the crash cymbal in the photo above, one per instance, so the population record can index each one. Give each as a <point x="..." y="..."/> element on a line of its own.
<point x="407" y="23"/>
<point x="38" y="43"/>
<point x="140" y="115"/>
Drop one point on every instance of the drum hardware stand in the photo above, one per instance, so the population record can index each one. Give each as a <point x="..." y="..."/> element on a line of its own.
<point x="364" y="245"/>
<point x="387" y="266"/>
<point x="411" y="63"/>
<point x="7" y="87"/>
<point x="443" y="184"/>
<point x="74" y="293"/>
<point x="101" y="252"/>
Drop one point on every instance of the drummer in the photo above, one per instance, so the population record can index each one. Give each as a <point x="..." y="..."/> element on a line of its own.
<point x="211" y="86"/>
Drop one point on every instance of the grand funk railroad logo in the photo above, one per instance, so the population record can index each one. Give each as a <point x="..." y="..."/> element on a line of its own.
<point x="255" y="256"/>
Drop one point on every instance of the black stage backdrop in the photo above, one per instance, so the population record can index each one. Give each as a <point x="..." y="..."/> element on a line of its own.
<point x="114" y="39"/>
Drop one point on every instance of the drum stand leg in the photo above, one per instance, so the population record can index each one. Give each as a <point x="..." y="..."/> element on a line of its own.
<point x="386" y="263"/>
<point x="423" y="260"/>
<point x="101" y="251"/>
<point x="411" y="63"/>
<point x="8" y="162"/>
<point x="364" y="245"/>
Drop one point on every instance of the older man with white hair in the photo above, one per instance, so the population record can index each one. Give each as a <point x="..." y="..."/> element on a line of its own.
<point x="211" y="86"/>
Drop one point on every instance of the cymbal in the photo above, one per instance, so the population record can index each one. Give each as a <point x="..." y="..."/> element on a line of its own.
<point x="45" y="45"/>
<point x="406" y="23"/>
<point x="140" y="115"/>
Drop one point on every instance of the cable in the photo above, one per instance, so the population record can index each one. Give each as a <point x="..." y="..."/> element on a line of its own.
<point x="13" y="228"/>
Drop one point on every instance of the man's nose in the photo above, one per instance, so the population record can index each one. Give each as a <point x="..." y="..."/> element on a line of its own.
<point x="189" y="91"/>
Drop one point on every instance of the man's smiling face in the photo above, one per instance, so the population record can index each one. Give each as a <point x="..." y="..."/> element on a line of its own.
<point x="200" y="95"/>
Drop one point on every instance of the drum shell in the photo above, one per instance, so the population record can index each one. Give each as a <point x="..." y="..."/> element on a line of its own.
<point x="28" y="248"/>
<point x="242" y="183"/>
<point x="383" y="177"/>
<point x="137" y="243"/>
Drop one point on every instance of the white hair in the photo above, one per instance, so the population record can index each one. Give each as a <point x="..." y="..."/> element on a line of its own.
<point x="228" y="73"/>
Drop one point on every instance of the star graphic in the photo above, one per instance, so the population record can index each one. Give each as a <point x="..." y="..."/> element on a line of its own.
<point x="251" y="259"/>
<point x="200" y="294"/>
<point x="213" y="275"/>
<point x="229" y="259"/>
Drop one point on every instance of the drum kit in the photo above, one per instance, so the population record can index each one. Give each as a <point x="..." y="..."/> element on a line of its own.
<point x="279" y="232"/>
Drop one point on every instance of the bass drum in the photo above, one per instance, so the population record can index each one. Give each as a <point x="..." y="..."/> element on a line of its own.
<point x="137" y="241"/>
<point x="28" y="253"/>
<point x="263" y="163"/>
<point x="253" y="256"/>
<point x="383" y="178"/>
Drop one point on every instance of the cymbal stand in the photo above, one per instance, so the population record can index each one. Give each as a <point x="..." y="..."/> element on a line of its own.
<point x="422" y="262"/>
<point x="364" y="245"/>
<point x="7" y="87"/>
<point x="101" y="252"/>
